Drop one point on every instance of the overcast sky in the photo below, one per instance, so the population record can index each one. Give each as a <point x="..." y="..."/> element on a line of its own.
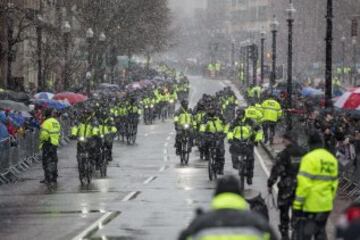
<point x="187" y="5"/>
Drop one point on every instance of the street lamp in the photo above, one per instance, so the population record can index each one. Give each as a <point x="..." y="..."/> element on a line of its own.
<point x="102" y="39"/>
<point x="89" y="38"/>
<point x="273" y="26"/>
<point x="66" y="31"/>
<point x="290" y="11"/>
<point x="343" y="39"/>
<point x="247" y="54"/>
<point x="328" y="53"/>
<point x="354" y="70"/>
<point x="233" y="50"/>
<point x="262" y="42"/>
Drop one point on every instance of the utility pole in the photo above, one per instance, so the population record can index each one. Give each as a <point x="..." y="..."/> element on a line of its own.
<point x="291" y="10"/>
<point x="328" y="54"/>
<point x="262" y="43"/>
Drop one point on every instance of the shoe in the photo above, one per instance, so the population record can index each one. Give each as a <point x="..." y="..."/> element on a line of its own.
<point x="249" y="181"/>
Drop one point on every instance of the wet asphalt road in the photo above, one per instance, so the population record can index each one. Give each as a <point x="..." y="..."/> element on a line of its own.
<point x="147" y="195"/>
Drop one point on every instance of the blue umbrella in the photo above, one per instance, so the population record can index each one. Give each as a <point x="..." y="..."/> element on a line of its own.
<point x="57" y="105"/>
<point x="44" y="95"/>
<point x="310" y="92"/>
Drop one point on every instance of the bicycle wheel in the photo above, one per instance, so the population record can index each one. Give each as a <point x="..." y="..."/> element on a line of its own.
<point x="210" y="170"/>
<point x="241" y="174"/>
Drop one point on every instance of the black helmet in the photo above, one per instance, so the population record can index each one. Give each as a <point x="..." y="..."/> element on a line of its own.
<point x="240" y="112"/>
<point x="185" y="104"/>
<point x="48" y="113"/>
<point x="228" y="184"/>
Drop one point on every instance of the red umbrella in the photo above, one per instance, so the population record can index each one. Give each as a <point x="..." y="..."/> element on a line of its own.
<point x="72" y="98"/>
<point x="349" y="100"/>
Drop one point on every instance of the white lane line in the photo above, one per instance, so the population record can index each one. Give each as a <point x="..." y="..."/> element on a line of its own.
<point x="129" y="196"/>
<point x="146" y="134"/>
<point x="165" y="151"/>
<point x="168" y="138"/>
<point x="150" y="179"/>
<point x="165" y="159"/>
<point x="162" y="169"/>
<point x="166" y="144"/>
<point x="96" y="225"/>
<point x="263" y="166"/>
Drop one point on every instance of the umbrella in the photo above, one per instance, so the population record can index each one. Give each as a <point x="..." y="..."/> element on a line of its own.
<point x="349" y="100"/>
<point x="105" y="86"/>
<point x="44" y="95"/>
<point x="310" y="92"/>
<point x="16" y="106"/>
<point x="49" y="103"/>
<point x="72" y="98"/>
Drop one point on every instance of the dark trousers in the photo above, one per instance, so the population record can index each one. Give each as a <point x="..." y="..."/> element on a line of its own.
<point x="269" y="131"/>
<point x="311" y="226"/>
<point x="284" y="220"/>
<point x="49" y="162"/>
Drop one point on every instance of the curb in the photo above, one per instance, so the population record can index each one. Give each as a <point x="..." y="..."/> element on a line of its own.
<point x="268" y="152"/>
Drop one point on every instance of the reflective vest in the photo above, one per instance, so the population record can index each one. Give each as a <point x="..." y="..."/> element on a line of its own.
<point x="198" y="119"/>
<point x="50" y="132"/>
<point x="242" y="132"/>
<point x="106" y="128"/>
<point x="183" y="118"/>
<point x="121" y="111"/>
<point x="82" y="130"/>
<point x="317" y="182"/>
<point x="229" y="201"/>
<point x="254" y="114"/>
<point x="256" y="91"/>
<point x="271" y="110"/>
<point x="213" y="126"/>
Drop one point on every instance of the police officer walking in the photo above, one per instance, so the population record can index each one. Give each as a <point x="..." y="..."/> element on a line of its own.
<point x="317" y="183"/>
<point x="49" y="141"/>
<point x="284" y="173"/>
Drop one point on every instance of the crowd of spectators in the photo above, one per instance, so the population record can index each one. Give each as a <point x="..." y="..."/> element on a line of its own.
<point x="14" y="124"/>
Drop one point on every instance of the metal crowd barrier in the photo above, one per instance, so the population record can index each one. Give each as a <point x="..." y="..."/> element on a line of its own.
<point x="18" y="155"/>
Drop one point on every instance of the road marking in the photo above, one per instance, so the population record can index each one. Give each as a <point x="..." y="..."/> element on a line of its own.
<point x="168" y="138"/>
<point x="96" y="225"/>
<point x="149" y="180"/>
<point x="129" y="196"/>
<point x="165" y="158"/>
<point x="163" y="168"/>
<point x="263" y="166"/>
<point x="166" y="144"/>
<point x="165" y="151"/>
<point x="146" y="134"/>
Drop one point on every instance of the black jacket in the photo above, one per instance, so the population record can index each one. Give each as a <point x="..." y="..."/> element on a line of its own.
<point x="285" y="170"/>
